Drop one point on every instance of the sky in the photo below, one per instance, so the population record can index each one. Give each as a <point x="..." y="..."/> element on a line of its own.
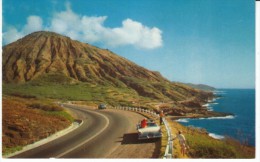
<point x="192" y="41"/>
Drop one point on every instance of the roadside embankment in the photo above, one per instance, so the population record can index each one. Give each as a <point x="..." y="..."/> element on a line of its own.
<point x="43" y="141"/>
<point x="26" y="121"/>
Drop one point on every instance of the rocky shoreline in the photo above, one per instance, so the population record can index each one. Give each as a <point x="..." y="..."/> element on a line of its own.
<point x="197" y="107"/>
<point x="202" y="111"/>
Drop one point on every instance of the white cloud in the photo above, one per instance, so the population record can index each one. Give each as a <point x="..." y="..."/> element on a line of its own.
<point x="34" y="23"/>
<point x="65" y="21"/>
<point x="91" y="29"/>
<point x="135" y="33"/>
<point x="11" y="35"/>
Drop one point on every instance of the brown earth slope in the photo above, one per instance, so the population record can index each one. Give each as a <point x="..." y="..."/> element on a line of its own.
<point x="23" y="125"/>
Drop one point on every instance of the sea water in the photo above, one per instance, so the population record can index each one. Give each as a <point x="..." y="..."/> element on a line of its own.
<point x="240" y="126"/>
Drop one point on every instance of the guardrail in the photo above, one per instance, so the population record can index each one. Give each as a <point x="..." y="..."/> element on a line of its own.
<point x="169" y="148"/>
<point x="151" y="112"/>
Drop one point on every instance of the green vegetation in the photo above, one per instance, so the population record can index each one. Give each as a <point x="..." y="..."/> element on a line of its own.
<point x="7" y="150"/>
<point x="77" y="91"/>
<point x="164" y="141"/>
<point x="51" y="109"/>
<point x="45" y="107"/>
<point x="62" y="114"/>
<point x="203" y="146"/>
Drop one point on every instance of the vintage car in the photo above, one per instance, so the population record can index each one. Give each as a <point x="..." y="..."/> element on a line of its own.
<point x="102" y="106"/>
<point x="151" y="130"/>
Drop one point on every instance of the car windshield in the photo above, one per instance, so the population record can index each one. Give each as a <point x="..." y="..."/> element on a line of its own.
<point x="151" y="124"/>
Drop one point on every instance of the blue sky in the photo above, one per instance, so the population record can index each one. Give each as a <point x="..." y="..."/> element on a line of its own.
<point x="195" y="41"/>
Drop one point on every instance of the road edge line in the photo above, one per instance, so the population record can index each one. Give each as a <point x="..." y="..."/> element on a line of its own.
<point x="43" y="141"/>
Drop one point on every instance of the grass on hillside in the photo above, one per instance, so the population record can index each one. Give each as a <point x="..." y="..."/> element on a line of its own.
<point x="164" y="141"/>
<point x="7" y="150"/>
<point x="47" y="106"/>
<point x="77" y="92"/>
<point x="211" y="148"/>
<point x="62" y="114"/>
<point x="203" y="146"/>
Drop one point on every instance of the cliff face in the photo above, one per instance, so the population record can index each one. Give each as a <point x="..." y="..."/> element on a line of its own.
<point x="46" y="54"/>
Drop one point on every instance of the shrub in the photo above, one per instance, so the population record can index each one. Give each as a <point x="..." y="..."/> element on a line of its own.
<point x="23" y="95"/>
<point x="45" y="107"/>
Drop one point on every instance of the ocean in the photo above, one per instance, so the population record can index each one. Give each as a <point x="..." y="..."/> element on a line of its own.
<point x="241" y="126"/>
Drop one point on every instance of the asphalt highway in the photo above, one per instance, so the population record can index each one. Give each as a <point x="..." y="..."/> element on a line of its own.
<point x="96" y="138"/>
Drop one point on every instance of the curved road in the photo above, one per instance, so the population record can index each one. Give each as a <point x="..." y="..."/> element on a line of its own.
<point x="104" y="133"/>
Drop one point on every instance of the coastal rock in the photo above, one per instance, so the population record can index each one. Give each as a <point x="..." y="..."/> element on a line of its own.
<point x="192" y="104"/>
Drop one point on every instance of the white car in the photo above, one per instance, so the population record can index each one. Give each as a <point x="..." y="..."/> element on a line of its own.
<point x="151" y="131"/>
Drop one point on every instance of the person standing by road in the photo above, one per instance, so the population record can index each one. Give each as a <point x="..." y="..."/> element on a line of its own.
<point x="144" y="123"/>
<point x="182" y="141"/>
<point x="161" y="116"/>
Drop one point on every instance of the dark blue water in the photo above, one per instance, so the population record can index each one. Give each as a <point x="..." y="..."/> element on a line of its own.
<point x="240" y="102"/>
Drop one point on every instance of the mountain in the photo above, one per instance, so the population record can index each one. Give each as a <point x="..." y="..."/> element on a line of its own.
<point x="46" y="52"/>
<point x="201" y="87"/>
<point x="44" y="58"/>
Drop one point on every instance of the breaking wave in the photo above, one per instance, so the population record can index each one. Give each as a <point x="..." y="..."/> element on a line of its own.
<point x="220" y="117"/>
<point x="182" y="120"/>
<point x="205" y="105"/>
<point x="186" y="120"/>
<point x="216" y="136"/>
<point x="219" y="92"/>
<point x="210" y="108"/>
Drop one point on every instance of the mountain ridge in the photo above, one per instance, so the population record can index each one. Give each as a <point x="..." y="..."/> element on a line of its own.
<point x="203" y="87"/>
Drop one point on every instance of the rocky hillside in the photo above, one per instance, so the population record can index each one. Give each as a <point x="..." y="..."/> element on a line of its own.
<point x="46" y="55"/>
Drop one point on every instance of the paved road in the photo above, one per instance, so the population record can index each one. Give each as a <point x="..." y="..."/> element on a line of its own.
<point x="97" y="137"/>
